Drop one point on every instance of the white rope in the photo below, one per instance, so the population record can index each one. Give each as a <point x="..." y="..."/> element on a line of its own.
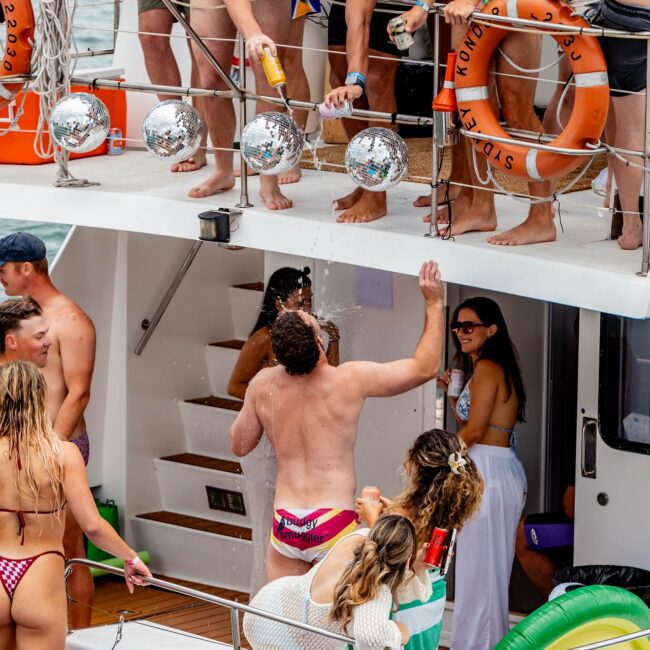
<point x="558" y="110"/>
<point x="15" y="116"/>
<point x="529" y="70"/>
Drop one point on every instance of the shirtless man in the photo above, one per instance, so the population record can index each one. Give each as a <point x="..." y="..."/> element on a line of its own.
<point x="310" y="412"/>
<point x="24" y="332"/>
<point x="24" y="272"/>
<point x="272" y="17"/>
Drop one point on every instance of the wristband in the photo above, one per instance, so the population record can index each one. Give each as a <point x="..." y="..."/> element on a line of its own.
<point x="134" y="562"/>
<point x="422" y="5"/>
<point x="356" y="79"/>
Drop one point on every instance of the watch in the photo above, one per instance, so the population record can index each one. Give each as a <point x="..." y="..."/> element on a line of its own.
<point x="356" y="79"/>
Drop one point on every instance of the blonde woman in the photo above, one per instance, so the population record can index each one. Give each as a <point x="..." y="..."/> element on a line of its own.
<point x="351" y="591"/>
<point x="443" y="489"/>
<point x="40" y="476"/>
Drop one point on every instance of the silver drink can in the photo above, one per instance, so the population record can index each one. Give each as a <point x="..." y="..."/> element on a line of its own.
<point x="331" y="112"/>
<point x="456" y="383"/>
<point x="403" y="39"/>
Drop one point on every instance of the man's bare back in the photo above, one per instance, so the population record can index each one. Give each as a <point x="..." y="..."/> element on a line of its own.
<point x="310" y="412"/>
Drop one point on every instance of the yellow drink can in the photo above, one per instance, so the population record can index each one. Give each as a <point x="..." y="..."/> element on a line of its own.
<point x="273" y="69"/>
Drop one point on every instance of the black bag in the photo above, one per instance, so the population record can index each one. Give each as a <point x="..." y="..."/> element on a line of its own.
<point x="635" y="580"/>
<point x="414" y="95"/>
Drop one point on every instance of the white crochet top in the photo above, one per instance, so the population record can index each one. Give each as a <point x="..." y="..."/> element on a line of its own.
<point x="291" y="597"/>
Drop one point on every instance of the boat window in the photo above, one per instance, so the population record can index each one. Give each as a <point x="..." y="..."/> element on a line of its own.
<point x="624" y="391"/>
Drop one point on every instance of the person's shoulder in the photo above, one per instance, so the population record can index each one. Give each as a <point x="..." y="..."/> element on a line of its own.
<point x="262" y="335"/>
<point x="486" y="369"/>
<point x="71" y="314"/>
<point x="71" y="454"/>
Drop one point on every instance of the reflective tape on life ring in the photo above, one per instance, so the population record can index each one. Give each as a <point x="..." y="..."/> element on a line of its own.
<point x="17" y="56"/>
<point x="476" y="113"/>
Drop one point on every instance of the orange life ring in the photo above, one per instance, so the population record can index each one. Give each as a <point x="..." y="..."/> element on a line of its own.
<point x="17" y="57"/>
<point x="591" y="94"/>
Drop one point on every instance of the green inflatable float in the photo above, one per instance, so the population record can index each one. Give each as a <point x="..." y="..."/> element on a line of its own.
<point x="585" y="615"/>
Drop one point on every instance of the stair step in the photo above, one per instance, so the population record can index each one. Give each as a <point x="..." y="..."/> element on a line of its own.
<point x="231" y="344"/>
<point x="207" y="462"/>
<point x="250" y="286"/>
<point x="197" y="523"/>
<point x="218" y="402"/>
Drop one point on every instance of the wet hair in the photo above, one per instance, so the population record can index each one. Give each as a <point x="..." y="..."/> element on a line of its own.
<point x="281" y="285"/>
<point x="294" y="343"/>
<point x="12" y="313"/>
<point x="498" y="348"/>
<point x="382" y="559"/>
<point x="434" y="494"/>
<point x="33" y="445"/>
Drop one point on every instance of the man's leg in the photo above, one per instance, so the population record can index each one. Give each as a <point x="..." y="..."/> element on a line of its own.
<point x="517" y="98"/>
<point x="278" y="565"/>
<point x="628" y="116"/>
<point x="81" y="588"/>
<point x="338" y="71"/>
<point x="297" y="86"/>
<point x="537" y="566"/>
<point x="162" y="67"/>
<point x="219" y="112"/>
<point x="274" y="17"/>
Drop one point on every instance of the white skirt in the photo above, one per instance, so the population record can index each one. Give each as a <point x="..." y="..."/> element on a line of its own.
<point x="486" y="550"/>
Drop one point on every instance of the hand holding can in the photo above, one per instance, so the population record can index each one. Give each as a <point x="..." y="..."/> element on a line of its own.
<point x="456" y="383"/>
<point x="371" y="493"/>
<point x="436" y="548"/>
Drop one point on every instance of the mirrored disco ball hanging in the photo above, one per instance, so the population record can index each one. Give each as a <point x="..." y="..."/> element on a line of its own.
<point x="79" y="122"/>
<point x="272" y="143"/>
<point x="377" y="159"/>
<point x="172" y="131"/>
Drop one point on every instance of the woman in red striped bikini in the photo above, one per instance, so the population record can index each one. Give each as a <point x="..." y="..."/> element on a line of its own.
<point x="39" y="477"/>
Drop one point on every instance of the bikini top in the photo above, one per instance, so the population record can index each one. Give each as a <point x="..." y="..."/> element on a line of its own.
<point x="462" y="409"/>
<point x="20" y="515"/>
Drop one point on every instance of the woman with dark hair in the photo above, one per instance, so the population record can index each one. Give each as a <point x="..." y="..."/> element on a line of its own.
<point x="491" y="403"/>
<point x="287" y="289"/>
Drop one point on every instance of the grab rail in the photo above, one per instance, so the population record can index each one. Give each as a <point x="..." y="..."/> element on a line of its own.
<point x="217" y="600"/>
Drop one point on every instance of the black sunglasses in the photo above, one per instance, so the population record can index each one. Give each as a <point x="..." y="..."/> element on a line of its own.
<point x="467" y="327"/>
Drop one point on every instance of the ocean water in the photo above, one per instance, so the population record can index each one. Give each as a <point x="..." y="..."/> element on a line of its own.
<point x="100" y="17"/>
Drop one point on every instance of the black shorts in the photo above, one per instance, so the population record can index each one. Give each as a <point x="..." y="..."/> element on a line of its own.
<point x="337" y="29"/>
<point x="626" y="58"/>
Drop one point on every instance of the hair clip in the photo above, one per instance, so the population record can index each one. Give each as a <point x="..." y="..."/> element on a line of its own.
<point x="457" y="462"/>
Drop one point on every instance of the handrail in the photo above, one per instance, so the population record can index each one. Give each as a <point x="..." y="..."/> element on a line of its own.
<point x="150" y="326"/>
<point x="216" y="600"/>
<point x="616" y="640"/>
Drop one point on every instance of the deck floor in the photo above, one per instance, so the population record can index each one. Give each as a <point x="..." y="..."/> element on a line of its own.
<point x="172" y="610"/>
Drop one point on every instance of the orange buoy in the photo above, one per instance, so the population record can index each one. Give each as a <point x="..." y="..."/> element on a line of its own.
<point x="591" y="93"/>
<point x="17" y="57"/>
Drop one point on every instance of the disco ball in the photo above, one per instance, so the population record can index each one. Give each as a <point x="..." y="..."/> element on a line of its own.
<point x="172" y="131"/>
<point x="272" y="143"/>
<point x="79" y="122"/>
<point x="377" y="159"/>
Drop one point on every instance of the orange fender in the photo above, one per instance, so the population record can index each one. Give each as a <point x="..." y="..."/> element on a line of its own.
<point x="591" y="97"/>
<point x="17" y="57"/>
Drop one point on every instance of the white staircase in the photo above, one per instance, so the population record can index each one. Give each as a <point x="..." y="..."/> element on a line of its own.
<point x="203" y="531"/>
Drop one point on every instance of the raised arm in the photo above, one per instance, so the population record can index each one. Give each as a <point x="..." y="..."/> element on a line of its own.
<point x="97" y="529"/>
<point x="77" y="349"/>
<point x="241" y="12"/>
<point x="358" y="14"/>
<point x="483" y="393"/>
<point x="396" y="377"/>
<point x="247" y="429"/>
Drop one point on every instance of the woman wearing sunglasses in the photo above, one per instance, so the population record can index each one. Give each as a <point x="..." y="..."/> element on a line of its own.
<point x="491" y="403"/>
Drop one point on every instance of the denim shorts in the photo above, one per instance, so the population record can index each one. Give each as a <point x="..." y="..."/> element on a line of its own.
<point x="626" y="58"/>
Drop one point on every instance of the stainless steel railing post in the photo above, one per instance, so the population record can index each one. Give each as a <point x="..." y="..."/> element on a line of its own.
<point x="234" y="624"/>
<point x="243" y="175"/>
<point x="435" y="151"/>
<point x="645" y="259"/>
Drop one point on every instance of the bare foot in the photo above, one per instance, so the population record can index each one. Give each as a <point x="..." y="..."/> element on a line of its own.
<point x="192" y="164"/>
<point x="371" y="206"/>
<point x="467" y="217"/>
<point x="271" y="195"/>
<point x="461" y="206"/>
<point x="424" y="200"/>
<point x="218" y="181"/>
<point x="292" y="176"/>
<point x="249" y="171"/>
<point x="530" y="231"/>
<point x="347" y="201"/>
<point x="632" y="236"/>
